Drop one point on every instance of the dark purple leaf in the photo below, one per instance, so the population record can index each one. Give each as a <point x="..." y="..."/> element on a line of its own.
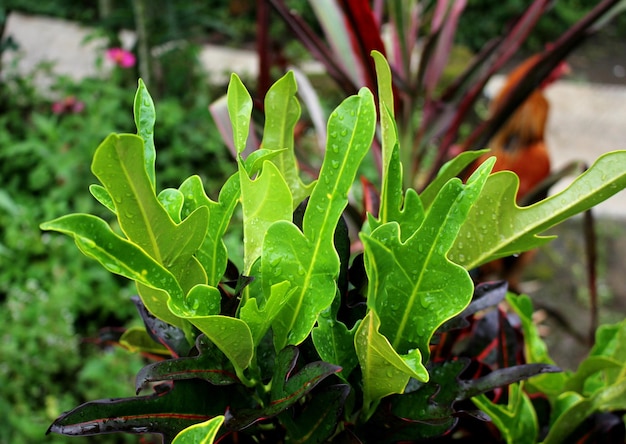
<point x="173" y="338"/>
<point x="318" y="420"/>
<point x="315" y="46"/>
<point x="502" y="377"/>
<point x="600" y="428"/>
<point x="210" y="365"/>
<point x="171" y="408"/>
<point x="445" y="36"/>
<point x="286" y="390"/>
<point x="486" y="295"/>
<point x="365" y="35"/>
<point x="544" y="66"/>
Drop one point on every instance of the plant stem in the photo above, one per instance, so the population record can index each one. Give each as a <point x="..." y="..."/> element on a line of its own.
<point x="139" y="8"/>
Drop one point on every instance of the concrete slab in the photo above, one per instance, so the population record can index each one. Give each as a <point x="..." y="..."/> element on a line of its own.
<point x="74" y="50"/>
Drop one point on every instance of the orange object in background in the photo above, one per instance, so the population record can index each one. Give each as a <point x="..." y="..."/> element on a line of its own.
<point x="520" y="146"/>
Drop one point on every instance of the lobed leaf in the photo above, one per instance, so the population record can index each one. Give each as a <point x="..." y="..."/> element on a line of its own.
<point x="97" y="240"/>
<point x="413" y="287"/>
<point x="212" y="254"/>
<point x="535" y="349"/>
<point x="406" y="209"/>
<point x="264" y="201"/>
<point x="502" y="228"/>
<point x="517" y="421"/>
<point x="119" y="165"/>
<point x="282" y="112"/>
<point x="259" y="319"/>
<point x="307" y="259"/>
<point x="334" y="342"/>
<point x="384" y="371"/>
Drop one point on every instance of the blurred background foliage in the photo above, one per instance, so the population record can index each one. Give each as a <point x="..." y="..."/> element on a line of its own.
<point x="52" y="298"/>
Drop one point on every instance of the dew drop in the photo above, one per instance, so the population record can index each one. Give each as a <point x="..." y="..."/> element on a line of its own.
<point x="335" y="163"/>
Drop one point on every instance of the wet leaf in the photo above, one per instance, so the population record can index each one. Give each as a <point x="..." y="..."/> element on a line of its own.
<point x="502" y="228"/>
<point x="212" y="254"/>
<point x="210" y="365"/>
<point x="384" y="371"/>
<point x="286" y="389"/>
<point x="307" y="258"/>
<point x="239" y="110"/>
<point x="395" y="205"/>
<point x="318" y="420"/>
<point x="170" y="409"/>
<point x="173" y="338"/>
<point x="282" y="112"/>
<point x="172" y="200"/>
<point x="97" y="240"/>
<point x="517" y="421"/>
<point x="145" y="117"/>
<point x="413" y="286"/>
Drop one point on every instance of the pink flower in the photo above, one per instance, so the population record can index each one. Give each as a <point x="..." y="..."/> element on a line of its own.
<point x="121" y="57"/>
<point x="68" y="105"/>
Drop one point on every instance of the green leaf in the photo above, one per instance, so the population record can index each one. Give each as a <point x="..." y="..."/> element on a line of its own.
<point x="264" y="200"/>
<point x="335" y="343"/>
<point x="102" y="196"/>
<point x="386" y="108"/>
<point x="590" y="367"/>
<point x="535" y="349"/>
<point x="413" y="287"/>
<point x="119" y="165"/>
<point x="384" y="371"/>
<point x="260" y="319"/>
<point x="231" y="335"/>
<point x="202" y="433"/>
<point x="611" y="398"/>
<point x="501" y="228"/>
<point x="95" y="239"/>
<point x="137" y="340"/>
<point x="450" y="169"/>
<point x="172" y="200"/>
<point x="239" y="110"/>
<point x="394" y="206"/>
<point x="517" y="421"/>
<point x="145" y="116"/>
<point x="212" y="253"/>
<point x="282" y="112"/>
<point x="308" y="259"/>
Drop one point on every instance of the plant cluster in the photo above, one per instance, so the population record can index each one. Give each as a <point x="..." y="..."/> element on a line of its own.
<point x="308" y="342"/>
<point x="52" y="298"/>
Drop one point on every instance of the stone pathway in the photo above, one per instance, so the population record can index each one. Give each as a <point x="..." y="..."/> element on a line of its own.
<point x="586" y="120"/>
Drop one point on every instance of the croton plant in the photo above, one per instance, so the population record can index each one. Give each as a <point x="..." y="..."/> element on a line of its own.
<point x="325" y="332"/>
